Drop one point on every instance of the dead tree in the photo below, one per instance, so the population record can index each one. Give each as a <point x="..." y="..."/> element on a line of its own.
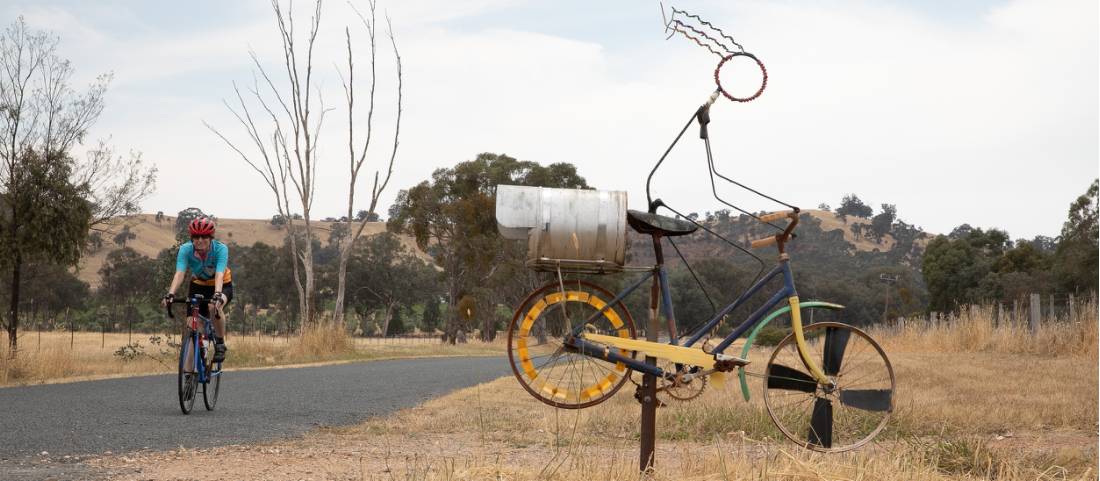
<point x="358" y="157"/>
<point x="284" y="153"/>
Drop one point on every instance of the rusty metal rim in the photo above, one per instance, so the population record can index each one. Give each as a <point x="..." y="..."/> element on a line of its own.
<point x="539" y="293"/>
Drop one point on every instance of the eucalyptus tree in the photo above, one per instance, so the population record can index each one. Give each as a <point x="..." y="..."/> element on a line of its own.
<point x="451" y="216"/>
<point x="49" y="198"/>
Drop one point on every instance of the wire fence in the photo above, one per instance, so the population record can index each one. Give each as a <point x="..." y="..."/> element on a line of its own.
<point x="1034" y="311"/>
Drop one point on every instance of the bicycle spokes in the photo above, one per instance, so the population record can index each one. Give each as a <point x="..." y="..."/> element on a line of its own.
<point x="546" y="366"/>
<point x="843" y="413"/>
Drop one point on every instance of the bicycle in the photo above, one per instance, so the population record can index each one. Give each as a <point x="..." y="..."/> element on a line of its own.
<point x="590" y="361"/>
<point x="195" y="370"/>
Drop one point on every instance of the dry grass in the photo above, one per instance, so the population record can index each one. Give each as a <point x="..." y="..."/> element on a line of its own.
<point x="973" y="404"/>
<point x="48" y="357"/>
<point x="974" y="329"/>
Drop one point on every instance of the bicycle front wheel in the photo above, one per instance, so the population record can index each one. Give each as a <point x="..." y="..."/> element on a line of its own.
<point x="545" y="366"/>
<point x="844" y="414"/>
<point x="187" y="380"/>
<point x="213" y="382"/>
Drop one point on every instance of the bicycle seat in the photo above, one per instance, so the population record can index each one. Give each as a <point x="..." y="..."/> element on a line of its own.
<point x="654" y="224"/>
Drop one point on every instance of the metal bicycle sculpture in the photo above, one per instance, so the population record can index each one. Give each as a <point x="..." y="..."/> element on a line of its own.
<point x="827" y="386"/>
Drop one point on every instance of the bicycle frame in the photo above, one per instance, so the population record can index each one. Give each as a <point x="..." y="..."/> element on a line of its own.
<point x="788" y="292"/>
<point x="196" y="339"/>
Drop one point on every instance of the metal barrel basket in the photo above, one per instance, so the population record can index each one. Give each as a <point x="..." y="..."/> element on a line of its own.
<point x="571" y="230"/>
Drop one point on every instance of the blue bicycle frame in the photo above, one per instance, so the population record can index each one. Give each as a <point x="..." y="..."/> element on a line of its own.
<point x="195" y="341"/>
<point x="599" y="351"/>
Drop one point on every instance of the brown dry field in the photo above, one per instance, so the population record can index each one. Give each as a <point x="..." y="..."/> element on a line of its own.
<point x="974" y="402"/>
<point x="152" y="237"/>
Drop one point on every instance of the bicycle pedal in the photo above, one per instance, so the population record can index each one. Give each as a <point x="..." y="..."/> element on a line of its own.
<point x="725" y="362"/>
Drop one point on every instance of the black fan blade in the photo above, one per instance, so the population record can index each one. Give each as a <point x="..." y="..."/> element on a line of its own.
<point x="783" y="377"/>
<point x="821" y="424"/>
<point x="836" y="340"/>
<point x="867" y="399"/>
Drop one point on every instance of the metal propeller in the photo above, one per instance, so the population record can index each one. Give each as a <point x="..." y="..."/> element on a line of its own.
<point x="821" y="420"/>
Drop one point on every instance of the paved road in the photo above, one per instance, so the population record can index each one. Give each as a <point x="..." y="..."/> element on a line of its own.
<point x="120" y="415"/>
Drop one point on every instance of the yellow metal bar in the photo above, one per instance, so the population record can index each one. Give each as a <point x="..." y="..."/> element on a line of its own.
<point x="682" y="355"/>
<point x="796" y="326"/>
<point x="718" y="379"/>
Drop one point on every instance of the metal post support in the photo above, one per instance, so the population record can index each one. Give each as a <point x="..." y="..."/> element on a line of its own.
<point x="648" y="396"/>
<point x="1035" y="310"/>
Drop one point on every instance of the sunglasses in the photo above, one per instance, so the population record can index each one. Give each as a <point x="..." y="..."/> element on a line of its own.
<point x="201" y="237"/>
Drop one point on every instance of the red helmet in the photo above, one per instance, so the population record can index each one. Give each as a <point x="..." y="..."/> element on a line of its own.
<point x="201" y="226"/>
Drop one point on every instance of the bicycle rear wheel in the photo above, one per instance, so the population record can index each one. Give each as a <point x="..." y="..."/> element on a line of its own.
<point x="187" y="380"/>
<point x="544" y="366"/>
<point x="837" y="417"/>
<point x="213" y="382"/>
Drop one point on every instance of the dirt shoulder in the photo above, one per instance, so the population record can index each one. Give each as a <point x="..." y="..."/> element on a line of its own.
<point x="496" y="431"/>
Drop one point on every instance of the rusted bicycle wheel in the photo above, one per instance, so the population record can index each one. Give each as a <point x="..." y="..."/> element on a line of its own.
<point x="545" y="366"/>
<point x="849" y="411"/>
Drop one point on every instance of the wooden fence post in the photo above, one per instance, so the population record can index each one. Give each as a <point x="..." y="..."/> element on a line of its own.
<point x="1036" y="309"/>
<point x="1072" y="309"/>
<point x="1015" y="311"/>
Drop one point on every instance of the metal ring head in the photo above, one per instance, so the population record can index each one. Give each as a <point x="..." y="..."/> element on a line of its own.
<point x="763" y="71"/>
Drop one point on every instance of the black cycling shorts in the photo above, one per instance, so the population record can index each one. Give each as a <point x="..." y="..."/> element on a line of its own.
<point x="207" y="292"/>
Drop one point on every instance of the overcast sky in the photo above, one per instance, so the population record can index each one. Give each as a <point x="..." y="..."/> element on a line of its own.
<point x="975" y="111"/>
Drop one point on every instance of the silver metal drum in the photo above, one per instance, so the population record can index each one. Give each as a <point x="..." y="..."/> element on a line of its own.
<point x="575" y="230"/>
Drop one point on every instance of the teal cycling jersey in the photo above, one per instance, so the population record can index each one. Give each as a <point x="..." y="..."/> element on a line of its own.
<point x="203" y="269"/>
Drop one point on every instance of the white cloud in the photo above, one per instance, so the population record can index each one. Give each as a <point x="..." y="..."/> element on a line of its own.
<point x="991" y="121"/>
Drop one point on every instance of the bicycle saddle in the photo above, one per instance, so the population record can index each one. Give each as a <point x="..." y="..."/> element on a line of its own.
<point x="654" y="224"/>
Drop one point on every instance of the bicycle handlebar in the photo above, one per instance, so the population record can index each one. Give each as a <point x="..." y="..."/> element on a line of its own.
<point x="179" y="301"/>
<point x="775" y="216"/>
<point x="778" y="239"/>
<point x="767" y="241"/>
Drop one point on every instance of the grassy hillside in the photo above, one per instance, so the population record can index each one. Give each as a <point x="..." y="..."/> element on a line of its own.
<point x="153" y="236"/>
<point x="841" y="233"/>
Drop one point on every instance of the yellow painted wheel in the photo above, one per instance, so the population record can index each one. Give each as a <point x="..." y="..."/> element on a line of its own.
<point x="545" y="366"/>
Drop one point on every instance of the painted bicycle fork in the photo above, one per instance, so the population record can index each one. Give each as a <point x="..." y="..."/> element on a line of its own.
<point x="577" y="341"/>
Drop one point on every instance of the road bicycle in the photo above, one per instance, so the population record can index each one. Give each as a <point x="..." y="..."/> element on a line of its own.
<point x="194" y="370"/>
<point x="828" y="386"/>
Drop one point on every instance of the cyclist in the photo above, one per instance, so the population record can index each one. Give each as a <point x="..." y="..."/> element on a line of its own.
<point x="207" y="260"/>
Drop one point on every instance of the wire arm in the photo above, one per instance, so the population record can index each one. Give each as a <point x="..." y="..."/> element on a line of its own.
<point x="702" y="32"/>
<point x="703" y="116"/>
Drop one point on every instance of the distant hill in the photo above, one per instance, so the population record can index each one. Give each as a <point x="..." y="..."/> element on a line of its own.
<point x="152" y="237"/>
<point x="833" y="259"/>
<point x="839" y="233"/>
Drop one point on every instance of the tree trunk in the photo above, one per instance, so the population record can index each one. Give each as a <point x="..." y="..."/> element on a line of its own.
<point x="307" y="265"/>
<point x="303" y="304"/>
<point x="13" y="312"/>
<point x="386" y="319"/>
<point x="488" y="324"/>
<point x="450" y="330"/>
<point x="341" y="277"/>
